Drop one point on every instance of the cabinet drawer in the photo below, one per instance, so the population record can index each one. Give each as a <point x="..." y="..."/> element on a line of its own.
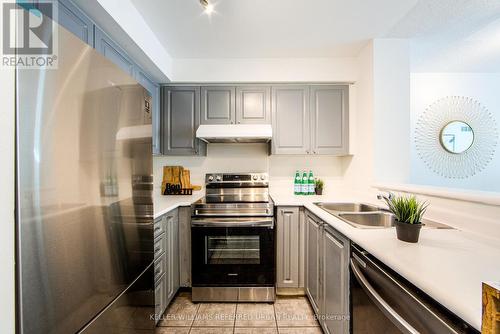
<point x="159" y="228"/>
<point x="160" y="295"/>
<point x="159" y="246"/>
<point x="160" y="267"/>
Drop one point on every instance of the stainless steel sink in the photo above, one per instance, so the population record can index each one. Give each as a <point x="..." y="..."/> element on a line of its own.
<point x="359" y="214"/>
<point x="362" y="215"/>
<point x="347" y="207"/>
<point x="366" y="220"/>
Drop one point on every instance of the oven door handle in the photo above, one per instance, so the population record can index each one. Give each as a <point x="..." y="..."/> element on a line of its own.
<point x="217" y="223"/>
<point x="395" y="318"/>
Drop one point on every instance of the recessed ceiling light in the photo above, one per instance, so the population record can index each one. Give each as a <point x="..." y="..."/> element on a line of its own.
<point x="209" y="8"/>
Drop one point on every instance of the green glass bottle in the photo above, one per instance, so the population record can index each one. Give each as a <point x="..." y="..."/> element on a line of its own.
<point x="310" y="183"/>
<point x="297" y="184"/>
<point x="305" y="184"/>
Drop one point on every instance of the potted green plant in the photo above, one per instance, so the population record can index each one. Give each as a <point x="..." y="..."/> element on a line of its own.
<point x="409" y="212"/>
<point x="318" y="186"/>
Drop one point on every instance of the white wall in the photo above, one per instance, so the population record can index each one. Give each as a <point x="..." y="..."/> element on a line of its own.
<point x="358" y="168"/>
<point x="267" y="70"/>
<point x="391" y="103"/>
<point x="7" y="274"/>
<point x="427" y="88"/>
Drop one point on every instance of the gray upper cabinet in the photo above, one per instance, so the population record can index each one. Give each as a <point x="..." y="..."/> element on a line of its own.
<point x="106" y="46"/>
<point x="253" y="104"/>
<point x="287" y="260"/>
<point x="313" y="239"/>
<point x="74" y="20"/>
<point x="290" y="119"/>
<point x="218" y="105"/>
<point x="180" y="109"/>
<point x="70" y="17"/>
<point x="335" y="290"/>
<point x="329" y="119"/>
<point x="154" y="91"/>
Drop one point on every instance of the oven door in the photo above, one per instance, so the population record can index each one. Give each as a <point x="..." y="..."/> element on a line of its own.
<point x="233" y="252"/>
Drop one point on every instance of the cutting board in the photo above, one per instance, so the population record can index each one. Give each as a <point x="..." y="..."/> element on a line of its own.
<point x="491" y="308"/>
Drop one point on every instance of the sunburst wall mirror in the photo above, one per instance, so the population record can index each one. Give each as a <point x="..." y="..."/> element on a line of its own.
<point x="456" y="137"/>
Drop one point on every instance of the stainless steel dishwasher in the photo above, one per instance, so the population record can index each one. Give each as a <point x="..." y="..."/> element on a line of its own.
<point x="384" y="302"/>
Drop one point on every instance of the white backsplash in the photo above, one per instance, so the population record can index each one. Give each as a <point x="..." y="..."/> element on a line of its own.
<point x="234" y="158"/>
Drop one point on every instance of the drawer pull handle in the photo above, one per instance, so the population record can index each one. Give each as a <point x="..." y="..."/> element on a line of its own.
<point x="157" y="250"/>
<point x="232" y="274"/>
<point x="157" y="228"/>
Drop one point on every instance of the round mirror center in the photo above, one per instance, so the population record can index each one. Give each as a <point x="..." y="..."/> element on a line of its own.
<point x="457" y="137"/>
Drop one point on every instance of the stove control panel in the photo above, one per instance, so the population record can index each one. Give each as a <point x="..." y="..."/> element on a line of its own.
<point x="236" y="177"/>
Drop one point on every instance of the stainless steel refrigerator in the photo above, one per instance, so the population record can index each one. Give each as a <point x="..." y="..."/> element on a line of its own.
<point x="84" y="187"/>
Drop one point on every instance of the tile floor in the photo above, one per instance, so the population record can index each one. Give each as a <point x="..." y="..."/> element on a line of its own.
<point x="288" y="315"/>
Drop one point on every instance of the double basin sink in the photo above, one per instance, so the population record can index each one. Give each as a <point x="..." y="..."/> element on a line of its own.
<point x="367" y="216"/>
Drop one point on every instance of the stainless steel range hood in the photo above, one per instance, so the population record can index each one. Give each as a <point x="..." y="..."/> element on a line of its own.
<point x="235" y="133"/>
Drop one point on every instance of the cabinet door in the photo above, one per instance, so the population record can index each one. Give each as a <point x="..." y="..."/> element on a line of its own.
<point x="218" y="105"/>
<point x="106" y="46"/>
<point x="253" y="105"/>
<point x="335" y="282"/>
<point x="160" y="297"/>
<point x="288" y="248"/>
<point x="74" y="20"/>
<point x="180" y="111"/>
<point x="313" y="228"/>
<point x="185" y="246"/>
<point x="153" y="89"/>
<point x="70" y="17"/>
<point x="329" y="118"/>
<point x="172" y="253"/>
<point x="290" y="119"/>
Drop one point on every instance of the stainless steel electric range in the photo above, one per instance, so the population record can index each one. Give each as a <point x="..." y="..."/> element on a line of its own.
<point x="233" y="240"/>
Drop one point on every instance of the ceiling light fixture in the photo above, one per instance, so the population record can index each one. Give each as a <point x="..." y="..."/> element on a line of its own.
<point x="209" y="8"/>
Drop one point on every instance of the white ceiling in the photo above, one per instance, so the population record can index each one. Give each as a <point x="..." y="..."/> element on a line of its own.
<point x="270" y="28"/>
<point x="453" y="35"/>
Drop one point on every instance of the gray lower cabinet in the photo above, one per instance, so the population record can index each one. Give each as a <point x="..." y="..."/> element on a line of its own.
<point x="327" y="280"/>
<point x="290" y="119"/>
<point x="313" y="257"/>
<point x="172" y="254"/>
<point x="166" y="263"/>
<point x="287" y="247"/>
<point x="335" y="279"/>
<point x="180" y="109"/>
<point x="329" y="119"/>
<point x="160" y="297"/>
<point x="253" y="104"/>
<point x="160" y="267"/>
<point x="218" y="105"/>
<point x="185" y="246"/>
<point x="107" y="47"/>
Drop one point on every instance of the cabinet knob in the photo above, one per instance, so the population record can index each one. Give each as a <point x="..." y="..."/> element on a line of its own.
<point x="314" y="152"/>
<point x="239" y="122"/>
<point x="307" y="151"/>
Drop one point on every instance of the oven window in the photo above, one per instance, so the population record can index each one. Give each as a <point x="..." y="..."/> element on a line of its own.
<point x="232" y="249"/>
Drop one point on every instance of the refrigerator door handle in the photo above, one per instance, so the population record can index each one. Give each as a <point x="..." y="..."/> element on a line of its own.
<point x="395" y="318"/>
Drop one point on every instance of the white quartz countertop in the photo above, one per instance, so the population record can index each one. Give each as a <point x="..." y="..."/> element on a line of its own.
<point x="449" y="265"/>
<point x="166" y="203"/>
